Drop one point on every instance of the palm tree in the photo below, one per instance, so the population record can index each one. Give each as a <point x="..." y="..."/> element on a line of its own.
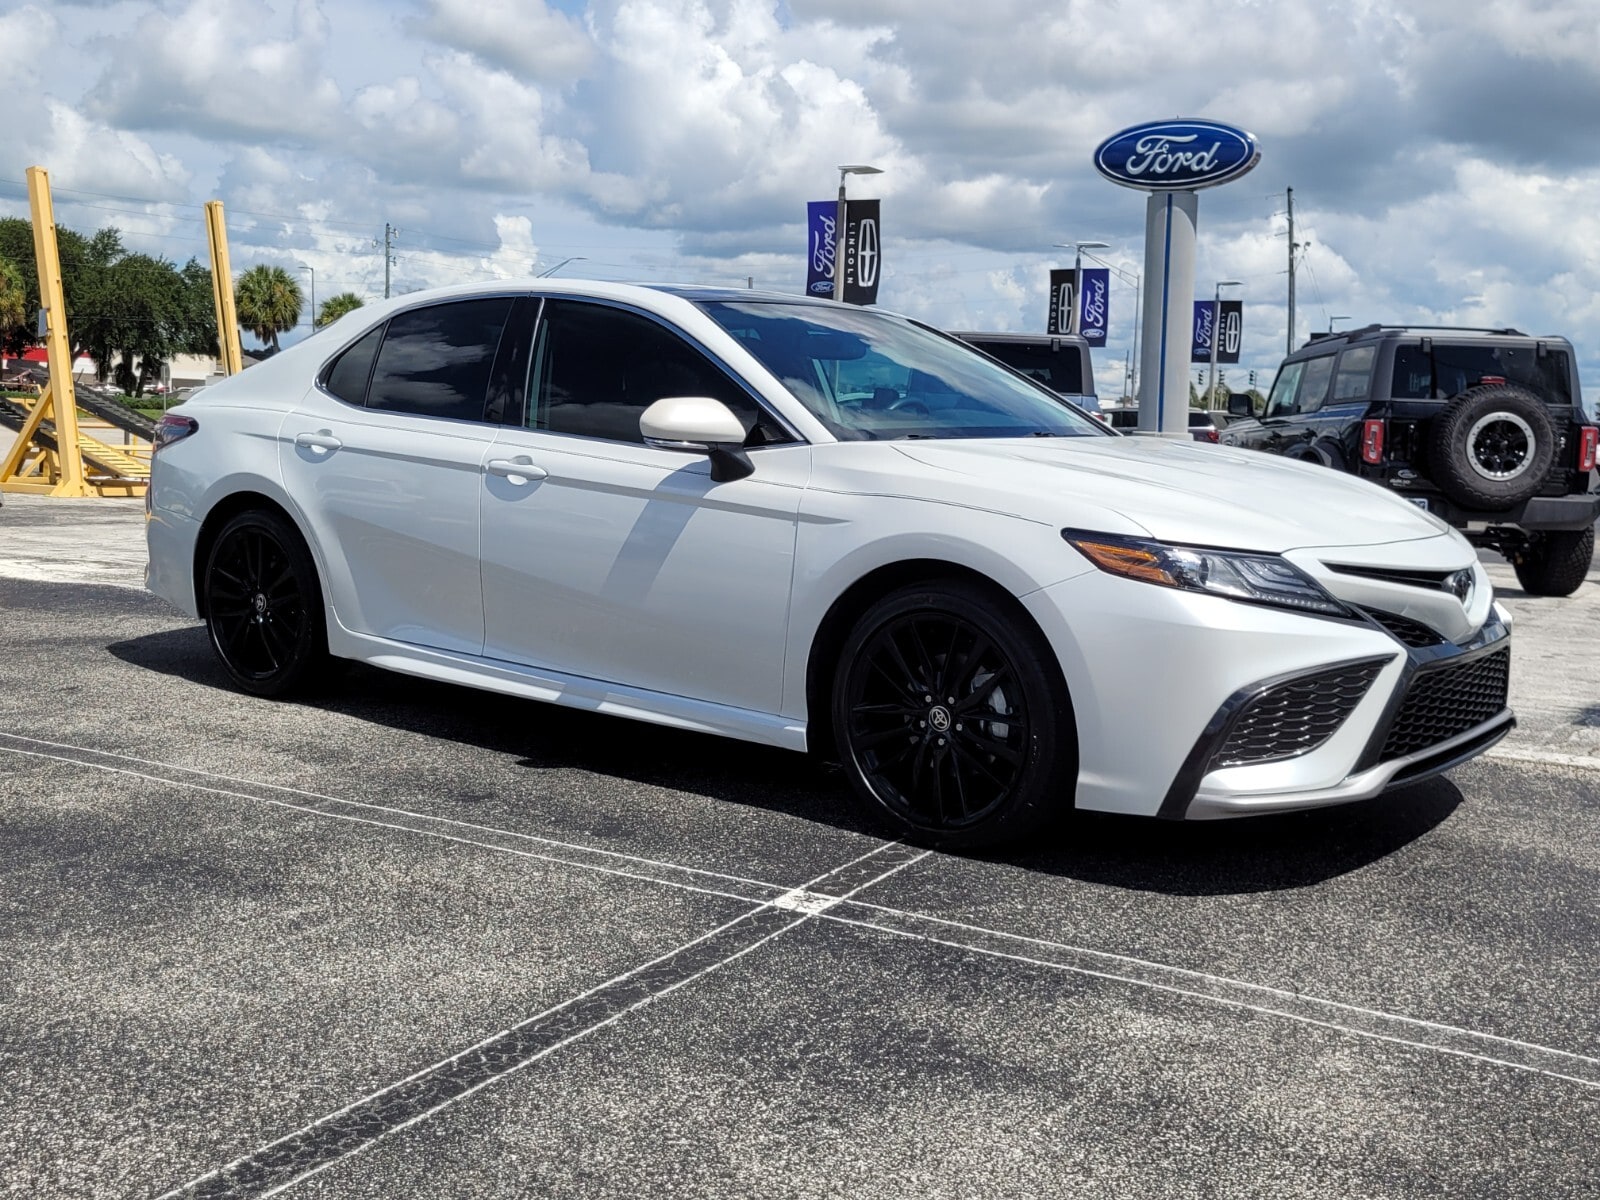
<point x="268" y="301"/>
<point x="335" y="307"/>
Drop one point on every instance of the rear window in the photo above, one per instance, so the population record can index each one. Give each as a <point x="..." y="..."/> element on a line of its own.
<point x="1450" y="370"/>
<point x="1059" y="370"/>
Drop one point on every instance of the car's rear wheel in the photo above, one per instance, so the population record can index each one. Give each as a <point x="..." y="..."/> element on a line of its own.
<point x="1555" y="563"/>
<point x="1492" y="446"/>
<point x="263" y="605"/>
<point x="951" y="717"/>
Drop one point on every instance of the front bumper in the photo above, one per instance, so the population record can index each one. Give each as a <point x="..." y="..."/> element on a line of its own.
<point x="1447" y="706"/>
<point x="1158" y="679"/>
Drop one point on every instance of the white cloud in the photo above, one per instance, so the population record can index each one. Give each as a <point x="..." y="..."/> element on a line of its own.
<point x="522" y="36"/>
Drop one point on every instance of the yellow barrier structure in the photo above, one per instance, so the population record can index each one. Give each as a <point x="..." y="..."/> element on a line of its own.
<point x="52" y="466"/>
<point x="222" y="289"/>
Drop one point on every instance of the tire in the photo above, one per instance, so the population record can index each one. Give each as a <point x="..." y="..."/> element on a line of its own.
<point x="1330" y="454"/>
<point x="1492" y="447"/>
<point x="263" y="606"/>
<point x="1555" y="563"/>
<point x="920" y="682"/>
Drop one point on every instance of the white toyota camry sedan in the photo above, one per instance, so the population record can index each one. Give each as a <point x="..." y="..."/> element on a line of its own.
<point x="822" y="527"/>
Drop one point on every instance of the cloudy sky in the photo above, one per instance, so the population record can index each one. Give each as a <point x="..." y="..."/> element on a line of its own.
<point x="1444" y="156"/>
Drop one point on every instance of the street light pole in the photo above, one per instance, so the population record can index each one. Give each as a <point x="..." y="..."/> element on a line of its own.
<point x="1216" y="336"/>
<point x="839" y="224"/>
<point x="1132" y="374"/>
<point x="1341" y="317"/>
<point x="313" y="272"/>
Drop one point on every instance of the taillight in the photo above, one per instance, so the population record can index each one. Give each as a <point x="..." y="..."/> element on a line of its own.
<point x="1588" y="439"/>
<point x="1372" y="442"/>
<point x="172" y="428"/>
<point x="1210" y="435"/>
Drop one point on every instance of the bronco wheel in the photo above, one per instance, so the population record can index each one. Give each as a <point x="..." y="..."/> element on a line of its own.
<point x="263" y="605"/>
<point x="951" y="717"/>
<point x="1492" y="446"/>
<point x="1555" y="563"/>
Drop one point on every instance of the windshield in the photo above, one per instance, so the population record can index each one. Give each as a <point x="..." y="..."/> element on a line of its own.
<point x="870" y="376"/>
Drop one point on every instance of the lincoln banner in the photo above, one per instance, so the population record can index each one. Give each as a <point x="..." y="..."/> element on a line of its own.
<point x="863" y="252"/>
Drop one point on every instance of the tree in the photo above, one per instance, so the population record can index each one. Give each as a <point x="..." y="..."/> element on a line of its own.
<point x="13" y="296"/>
<point x="268" y="301"/>
<point x="335" y="307"/>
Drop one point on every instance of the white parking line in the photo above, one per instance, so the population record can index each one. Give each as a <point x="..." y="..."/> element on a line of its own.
<point x="1353" y="1020"/>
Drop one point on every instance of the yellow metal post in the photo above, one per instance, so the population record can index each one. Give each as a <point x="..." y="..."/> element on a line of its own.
<point x="59" y="402"/>
<point x="222" y="289"/>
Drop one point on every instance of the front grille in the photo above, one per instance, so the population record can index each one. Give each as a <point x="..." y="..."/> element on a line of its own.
<point x="1295" y="717"/>
<point x="1411" y="633"/>
<point x="1447" y="701"/>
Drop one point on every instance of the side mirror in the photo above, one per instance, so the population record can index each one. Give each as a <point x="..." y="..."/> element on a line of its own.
<point x="698" y="425"/>
<point x="1239" y="404"/>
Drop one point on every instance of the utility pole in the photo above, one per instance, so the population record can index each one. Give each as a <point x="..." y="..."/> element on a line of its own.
<point x="389" y="240"/>
<point x="1289" y="341"/>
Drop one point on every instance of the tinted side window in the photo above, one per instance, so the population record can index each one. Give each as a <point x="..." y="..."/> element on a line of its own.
<point x="435" y="361"/>
<point x="596" y="369"/>
<point x="347" y="378"/>
<point x="1281" y="402"/>
<point x="1354" y="380"/>
<point x="1314" y="383"/>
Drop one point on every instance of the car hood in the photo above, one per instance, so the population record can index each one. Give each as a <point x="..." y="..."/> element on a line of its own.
<point x="1175" y="490"/>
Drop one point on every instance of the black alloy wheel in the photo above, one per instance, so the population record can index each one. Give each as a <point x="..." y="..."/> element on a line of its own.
<point x="951" y="717"/>
<point x="263" y="605"/>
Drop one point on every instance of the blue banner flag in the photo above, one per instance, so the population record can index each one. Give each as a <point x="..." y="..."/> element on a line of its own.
<point x="820" y="242"/>
<point x="1094" y="313"/>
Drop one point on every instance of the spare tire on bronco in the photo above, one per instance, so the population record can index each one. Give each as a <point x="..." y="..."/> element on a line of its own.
<point x="1492" y="446"/>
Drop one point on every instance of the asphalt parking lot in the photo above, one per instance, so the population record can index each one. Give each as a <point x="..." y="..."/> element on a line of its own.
<point x="411" y="940"/>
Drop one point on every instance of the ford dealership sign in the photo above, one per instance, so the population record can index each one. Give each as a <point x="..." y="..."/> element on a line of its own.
<point x="1173" y="156"/>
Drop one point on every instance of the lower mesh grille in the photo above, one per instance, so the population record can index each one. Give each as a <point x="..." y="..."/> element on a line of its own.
<point x="1295" y="717"/>
<point x="1447" y="701"/>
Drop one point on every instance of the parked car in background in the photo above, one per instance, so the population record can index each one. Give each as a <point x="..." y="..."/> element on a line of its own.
<point x="1060" y="361"/>
<point x="1204" y="424"/>
<point x="818" y="526"/>
<point x="1484" y="428"/>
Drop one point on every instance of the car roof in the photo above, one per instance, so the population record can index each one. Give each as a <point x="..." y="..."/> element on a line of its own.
<point x="1453" y="333"/>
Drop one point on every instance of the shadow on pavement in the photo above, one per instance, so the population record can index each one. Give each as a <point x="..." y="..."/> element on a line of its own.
<point x="1257" y="854"/>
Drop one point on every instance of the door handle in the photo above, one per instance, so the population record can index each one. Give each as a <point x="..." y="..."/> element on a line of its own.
<point x="518" y="470"/>
<point x="322" y="440"/>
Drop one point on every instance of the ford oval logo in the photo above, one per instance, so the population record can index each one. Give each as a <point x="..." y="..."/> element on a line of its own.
<point x="1182" y="155"/>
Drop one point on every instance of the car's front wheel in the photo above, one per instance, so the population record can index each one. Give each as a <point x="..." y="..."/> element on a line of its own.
<point x="951" y="717"/>
<point x="263" y="605"/>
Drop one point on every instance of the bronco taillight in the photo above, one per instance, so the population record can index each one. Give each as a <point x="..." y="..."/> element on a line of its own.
<point x="1588" y="439"/>
<point x="1372" y="442"/>
<point x="172" y="428"/>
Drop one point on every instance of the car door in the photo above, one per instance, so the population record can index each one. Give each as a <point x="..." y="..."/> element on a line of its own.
<point x="384" y="458"/>
<point x="607" y="558"/>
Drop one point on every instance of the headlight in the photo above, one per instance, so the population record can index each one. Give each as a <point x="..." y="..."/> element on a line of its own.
<point x="1254" y="578"/>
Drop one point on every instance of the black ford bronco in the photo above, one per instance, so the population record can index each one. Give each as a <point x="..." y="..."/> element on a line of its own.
<point x="1483" y="427"/>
